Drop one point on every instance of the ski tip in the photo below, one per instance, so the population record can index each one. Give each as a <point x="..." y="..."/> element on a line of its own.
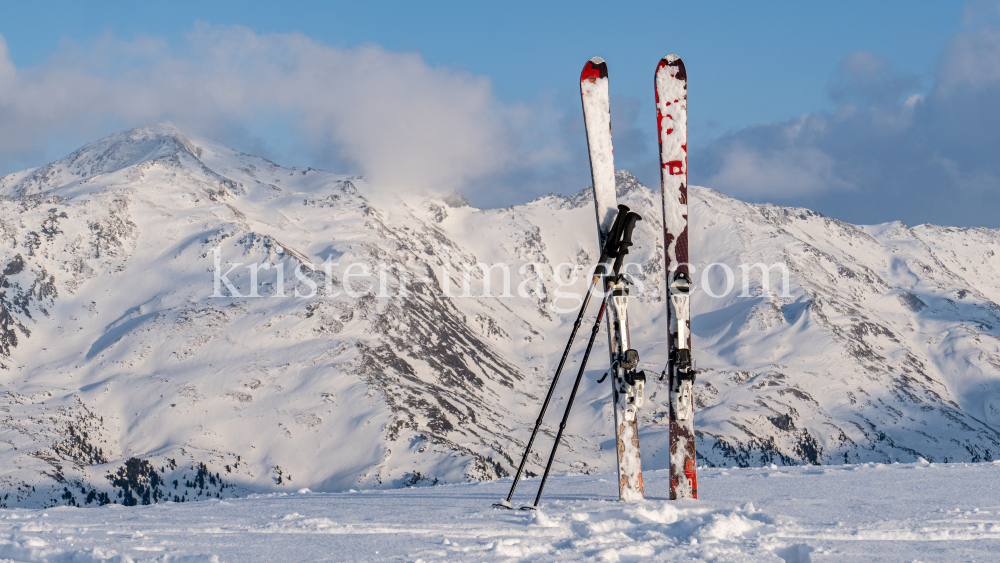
<point x="594" y="69"/>
<point x="674" y="61"/>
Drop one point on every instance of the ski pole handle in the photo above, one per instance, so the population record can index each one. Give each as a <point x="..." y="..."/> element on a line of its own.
<point x="626" y="241"/>
<point x="614" y="235"/>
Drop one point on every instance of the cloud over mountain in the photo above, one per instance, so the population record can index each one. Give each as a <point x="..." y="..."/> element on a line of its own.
<point x="388" y="115"/>
<point x="886" y="148"/>
<point x="894" y="146"/>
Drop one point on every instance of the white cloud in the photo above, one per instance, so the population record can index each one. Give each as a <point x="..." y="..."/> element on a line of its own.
<point x="886" y="152"/>
<point x="791" y="171"/>
<point x="970" y="62"/>
<point x="388" y="115"/>
<point x="864" y="76"/>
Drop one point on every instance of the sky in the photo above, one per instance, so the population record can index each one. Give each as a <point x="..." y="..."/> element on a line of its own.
<point x="864" y="111"/>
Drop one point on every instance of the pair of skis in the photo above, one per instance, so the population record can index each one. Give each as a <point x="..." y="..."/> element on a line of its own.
<point x="615" y="225"/>
<point x="670" y="83"/>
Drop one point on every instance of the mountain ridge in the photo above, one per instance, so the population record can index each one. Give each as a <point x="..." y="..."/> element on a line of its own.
<point x="118" y="361"/>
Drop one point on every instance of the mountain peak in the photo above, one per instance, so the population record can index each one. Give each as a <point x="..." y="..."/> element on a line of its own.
<point x="110" y="154"/>
<point x="163" y="131"/>
<point x="130" y="147"/>
<point x="626" y="182"/>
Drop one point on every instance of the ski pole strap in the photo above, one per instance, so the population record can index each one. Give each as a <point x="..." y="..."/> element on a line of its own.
<point x="626" y="240"/>
<point x="611" y="369"/>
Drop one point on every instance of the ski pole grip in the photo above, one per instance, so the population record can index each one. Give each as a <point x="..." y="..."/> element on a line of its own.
<point x="614" y="235"/>
<point x="626" y="242"/>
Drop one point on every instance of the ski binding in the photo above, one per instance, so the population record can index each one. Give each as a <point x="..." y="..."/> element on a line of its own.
<point x="680" y="298"/>
<point x="632" y="382"/>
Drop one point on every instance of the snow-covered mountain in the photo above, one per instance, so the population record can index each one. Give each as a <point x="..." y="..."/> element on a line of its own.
<point x="131" y="373"/>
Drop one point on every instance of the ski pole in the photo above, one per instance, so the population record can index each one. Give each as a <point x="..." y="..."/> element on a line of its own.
<point x="622" y="250"/>
<point x="610" y="251"/>
<point x="569" y="405"/>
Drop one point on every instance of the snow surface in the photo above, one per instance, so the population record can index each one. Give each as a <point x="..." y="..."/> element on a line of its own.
<point x="865" y="513"/>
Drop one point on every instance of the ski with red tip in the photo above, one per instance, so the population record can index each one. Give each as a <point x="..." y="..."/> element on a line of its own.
<point x="597" y="117"/>
<point x="671" y="123"/>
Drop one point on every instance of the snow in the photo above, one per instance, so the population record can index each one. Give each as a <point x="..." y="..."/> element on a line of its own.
<point x="886" y="346"/>
<point x="865" y="513"/>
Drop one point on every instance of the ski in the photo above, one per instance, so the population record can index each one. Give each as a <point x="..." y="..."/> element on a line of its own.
<point x="626" y="384"/>
<point x="671" y="122"/>
<point x="597" y="118"/>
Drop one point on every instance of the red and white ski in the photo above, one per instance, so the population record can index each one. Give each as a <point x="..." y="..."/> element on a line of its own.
<point x="597" y="119"/>
<point x="671" y="123"/>
<point x="626" y="391"/>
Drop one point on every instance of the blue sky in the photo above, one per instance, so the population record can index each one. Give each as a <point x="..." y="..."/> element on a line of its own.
<point x="792" y="102"/>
